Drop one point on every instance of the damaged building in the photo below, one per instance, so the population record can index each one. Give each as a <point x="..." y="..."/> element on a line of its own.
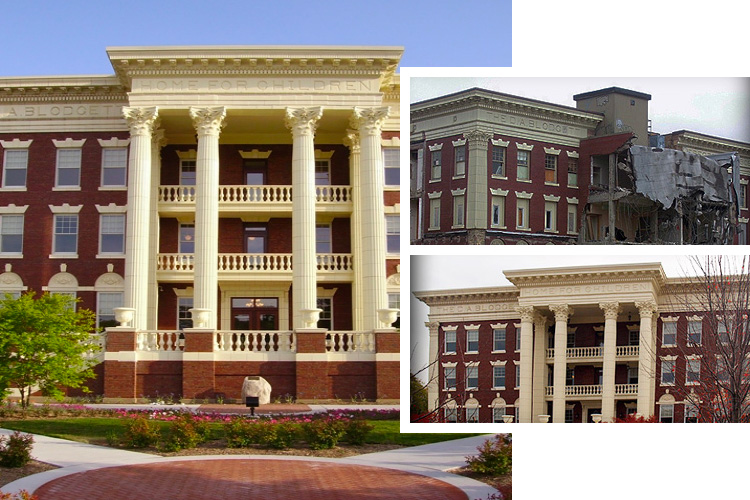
<point x="493" y="168"/>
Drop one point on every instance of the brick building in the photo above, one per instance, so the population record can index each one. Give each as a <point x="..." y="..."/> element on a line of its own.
<point x="575" y="344"/>
<point x="226" y="211"/>
<point x="493" y="168"/>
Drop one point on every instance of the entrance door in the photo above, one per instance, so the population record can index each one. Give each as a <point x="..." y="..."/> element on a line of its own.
<point x="250" y="313"/>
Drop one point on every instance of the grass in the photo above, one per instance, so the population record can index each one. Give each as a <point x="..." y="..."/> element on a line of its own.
<point x="95" y="430"/>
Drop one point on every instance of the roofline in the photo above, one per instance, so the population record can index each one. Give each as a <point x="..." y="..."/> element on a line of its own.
<point x="612" y="90"/>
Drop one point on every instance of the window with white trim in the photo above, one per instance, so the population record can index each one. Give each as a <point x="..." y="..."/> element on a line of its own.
<point x="498" y="161"/>
<point x="518" y="376"/>
<point x="187" y="238"/>
<point x="184" y="317"/>
<point x="498" y="376"/>
<point x="721" y="332"/>
<point x="518" y="339"/>
<point x="392" y="166"/>
<point x="695" y="331"/>
<point x="691" y="412"/>
<point x="322" y="172"/>
<point x="550" y="169"/>
<point x="112" y="234"/>
<point x="105" y="308"/>
<point x="550" y="216"/>
<point x="65" y="237"/>
<point x="187" y="172"/>
<point x="15" y="166"/>
<point x="449" y="376"/>
<point x="458" y="211"/>
<point x="498" y="412"/>
<point x="472" y="377"/>
<point x="393" y="233"/>
<point x="569" y="415"/>
<point x="472" y="340"/>
<point x="114" y="167"/>
<point x="450" y="340"/>
<point x="498" y="339"/>
<point x="572" y="218"/>
<point x="323" y="238"/>
<point x="11" y="234"/>
<point x="451" y="414"/>
<point x="434" y="213"/>
<point x="572" y="172"/>
<point x="394" y="302"/>
<point x="632" y="374"/>
<point x="666" y="413"/>
<point x="472" y="414"/>
<point x="692" y="371"/>
<point x="460" y="161"/>
<point x="68" y="172"/>
<point x="498" y="211"/>
<point x="522" y="213"/>
<point x="325" y="304"/>
<point x="436" y="160"/>
<point x="667" y="371"/>
<point x="669" y="333"/>
<point x="522" y="172"/>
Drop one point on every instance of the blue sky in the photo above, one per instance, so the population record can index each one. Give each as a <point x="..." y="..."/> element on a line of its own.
<point x="70" y="37"/>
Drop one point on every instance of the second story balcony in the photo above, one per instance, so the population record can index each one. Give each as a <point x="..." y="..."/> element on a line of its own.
<point x="589" y="354"/>
<point x="275" y="199"/>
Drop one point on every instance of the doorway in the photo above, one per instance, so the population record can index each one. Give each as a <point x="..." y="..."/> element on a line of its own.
<point x="255" y="313"/>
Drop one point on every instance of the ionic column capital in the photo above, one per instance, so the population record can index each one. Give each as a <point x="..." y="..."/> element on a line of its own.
<point x="611" y="309"/>
<point x="646" y="308"/>
<point x="526" y="313"/>
<point x="369" y="121"/>
<point x="303" y="121"/>
<point x="562" y="311"/>
<point x="140" y="120"/>
<point x="478" y="138"/>
<point x="208" y="121"/>
<point x="351" y="140"/>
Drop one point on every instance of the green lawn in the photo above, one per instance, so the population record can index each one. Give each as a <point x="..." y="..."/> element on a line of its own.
<point x="95" y="430"/>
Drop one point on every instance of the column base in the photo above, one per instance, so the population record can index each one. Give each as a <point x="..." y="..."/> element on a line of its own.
<point x="476" y="236"/>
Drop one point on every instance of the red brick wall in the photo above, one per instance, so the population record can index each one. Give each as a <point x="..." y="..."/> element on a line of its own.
<point x="158" y="378"/>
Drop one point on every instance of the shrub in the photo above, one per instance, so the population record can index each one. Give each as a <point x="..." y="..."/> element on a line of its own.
<point x="186" y="432"/>
<point x="495" y="457"/>
<point x="240" y="433"/>
<point x="278" y="435"/>
<point x="15" y="450"/>
<point x="141" y="432"/>
<point x="356" y="431"/>
<point x="21" y="495"/>
<point x="323" y="433"/>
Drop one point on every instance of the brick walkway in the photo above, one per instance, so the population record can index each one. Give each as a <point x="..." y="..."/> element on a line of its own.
<point x="246" y="479"/>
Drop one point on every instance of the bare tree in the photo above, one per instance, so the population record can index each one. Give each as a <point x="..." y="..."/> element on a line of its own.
<point x="715" y="344"/>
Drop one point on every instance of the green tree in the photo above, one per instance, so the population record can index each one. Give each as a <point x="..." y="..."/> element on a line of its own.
<point x="418" y="397"/>
<point x="44" y="342"/>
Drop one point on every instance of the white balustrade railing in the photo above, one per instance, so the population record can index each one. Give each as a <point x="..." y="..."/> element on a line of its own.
<point x="627" y="350"/>
<point x="594" y="390"/>
<point x="626" y="389"/>
<point x="255" y="194"/>
<point x="350" y="342"/>
<point x="174" y="262"/>
<point x="334" y="262"/>
<point x="595" y="352"/>
<point x="160" y="340"/>
<point x="255" y="341"/>
<point x="258" y="262"/>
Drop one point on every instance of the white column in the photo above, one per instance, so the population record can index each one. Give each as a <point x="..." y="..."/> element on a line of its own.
<point x="477" y="174"/>
<point x="539" y="405"/>
<point x="645" y="352"/>
<point x="369" y="122"/>
<point x="561" y="312"/>
<point x="527" y="350"/>
<point x="433" y="371"/>
<point x="358" y="304"/>
<point x="141" y="122"/>
<point x="208" y="123"/>
<point x="611" y="310"/>
<point x="302" y="122"/>
<point x="158" y="141"/>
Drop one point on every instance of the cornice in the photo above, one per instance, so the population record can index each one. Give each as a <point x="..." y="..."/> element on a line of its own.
<point x="96" y="88"/>
<point x="588" y="275"/>
<point x="130" y="62"/>
<point x="714" y="144"/>
<point x="468" y="296"/>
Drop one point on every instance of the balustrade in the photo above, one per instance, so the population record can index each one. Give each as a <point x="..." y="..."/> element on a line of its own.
<point x="237" y="194"/>
<point x="350" y="342"/>
<point x="255" y="341"/>
<point x="161" y="340"/>
<point x="249" y="262"/>
<point x="594" y="352"/>
<point x="594" y="390"/>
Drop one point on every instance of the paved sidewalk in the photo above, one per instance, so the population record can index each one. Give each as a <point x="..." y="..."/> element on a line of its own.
<point x="419" y="469"/>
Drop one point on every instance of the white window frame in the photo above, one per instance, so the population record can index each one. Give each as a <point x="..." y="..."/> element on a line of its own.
<point x="322" y="172"/>
<point x="111" y="164"/>
<point x="181" y="239"/>
<point x="451" y="414"/>
<point x="459" y="161"/>
<point x="497" y="208"/>
<point x="550" y="216"/>
<point x="495" y="376"/>
<point x="522" y="213"/>
<point x="472" y="337"/>
<point x="107" y="220"/>
<point x="692" y="370"/>
<point x="391" y="164"/>
<point x="668" y="367"/>
<point x="72" y="162"/>
<point x="498" y="160"/>
<point x="673" y="325"/>
<point x="184" y="304"/>
<point x="495" y="332"/>
<point x="459" y="211"/>
<point x="116" y="299"/>
<point x="436" y="165"/>
<point x="453" y="341"/>
<point x="573" y="172"/>
<point x="393" y="234"/>
<point x="472" y="369"/>
<point x="9" y="227"/>
<point x="550" y="160"/>
<point x="323" y="239"/>
<point x="56" y="234"/>
<point x="523" y="158"/>
<point x="18" y="164"/>
<point x="434" y="214"/>
<point x="472" y="414"/>
<point x="695" y="331"/>
<point x="666" y="411"/>
<point x="325" y="316"/>
<point x="572" y="218"/>
<point x="447" y="370"/>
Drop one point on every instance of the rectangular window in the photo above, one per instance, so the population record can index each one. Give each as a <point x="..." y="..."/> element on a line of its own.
<point x="573" y="172"/>
<point x="472" y="341"/>
<point x="692" y="371"/>
<point x="550" y="216"/>
<point x="68" y="167"/>
<point x="691" y="413"/>
<point x="394" y="302"/>
<point x="451" y="415"/>
<point x="721" y="330"/>
<point x="498" y="161"/>
<point x="570" y="340"/>
<point x="570" y="376"/>
<point x="634" y="337"/>
<point x="460" y="157"/>
<point x="550" y="169"/>
<point x="498" y="211"/>
<point x="523" y="166"/>
<point x="458" y="211"/>
<point x="518" y="339"/>
<point x="66" y="234"/>
<point x="325" y="304"/>
<point x="498" y="343"/>
<point x="632" y="375"/>
<point x="449" y="374"/>
<point x="435" y="170"/>
<point x="666" y="414"/>
<point x="11" y="234"/>
<point x="15" y="165"/>
<point x="518" y="376"/>
<point x="572" y="219"/>
<point x="667" y="371"/>
<point x="323" y="238"/>
<point x="392" y="165"/>
<point x="322" y="172"/>
<point x="114" y="167"/>
<point x="498" y="377"/>
<point x="695" y="330"/>
<point x="472" y="414"/>
<point x="743" y="195"/>
<point x="187" y="238"/>
<point x="187" y="172"/>
<point x="472" y="377"/>
<point x="112" y="237"/>
<point x="184" y="318"/>
<point x="669" y="333"/>
<point x="522" y="214"/>
<point x="435" y="213"/>
<point x="105" y="309"/>
<point x="497" y="415"/>
<point x="392" y="233"/>
<point x="450" y="341"/>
